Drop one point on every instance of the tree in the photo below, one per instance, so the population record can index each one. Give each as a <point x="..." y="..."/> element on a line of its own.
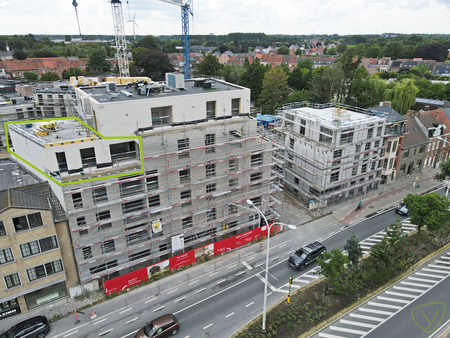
<point x="349" y="65"/>
<point x="283" y="50"/>
<point x="332" y="266"/>
<point x="50" y="76"/>
<point x="233" y="73"/>
<point x="151" y="63"/>
<point x="372" y="51"/>
<point x="97" y="63"/>
<point x="30" y="76"/>
<point x="67" y="38"/>
<point x="403" y="95"/>
<point x="393" y="49"/>
<point x="299" y="96"/>
<point x="354" y="251"/>
<point x="19" y="55"/>
<point x="420" y="70"/>
<point x="72" y="71"/>
<point x="341" y="48"/>
<point x="275" y="90"/>
<point x="148" y="41"/>
<point x="430" y="209"/>
<point x="362" y="92"/>
<point x="300" y="78"/>
<point x="253" y="77"/>
<point x="444" y="171"/>
<point x="298" y="52"/>
<point x="326" y="83"/>
<point x="432" y="51"/>
<point x="332" y="51"/>
<point x="209" y="66"/>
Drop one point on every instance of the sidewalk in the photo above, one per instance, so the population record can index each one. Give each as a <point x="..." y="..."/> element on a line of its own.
<point x="309" y="229"/>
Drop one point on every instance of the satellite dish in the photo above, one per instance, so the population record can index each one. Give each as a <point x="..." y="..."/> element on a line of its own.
<point x="74" y="3"/>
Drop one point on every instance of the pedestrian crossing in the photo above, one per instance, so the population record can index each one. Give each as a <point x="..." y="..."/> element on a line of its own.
<point x="366" y="245"/>
<point x="373" y="313"/>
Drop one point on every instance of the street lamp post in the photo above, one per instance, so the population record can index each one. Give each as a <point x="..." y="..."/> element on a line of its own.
<point x="263" y="329"/>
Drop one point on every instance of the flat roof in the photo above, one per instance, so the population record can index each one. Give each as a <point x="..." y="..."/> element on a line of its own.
<point x="101" y="95"/>
<point x="13" y="176"/>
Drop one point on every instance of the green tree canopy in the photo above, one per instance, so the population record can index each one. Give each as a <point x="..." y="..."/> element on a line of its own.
<point x="432" y="51"/>
<point x="429" y="209"/>
<point x="148" y="41"/>
<point x="299" y="96"/>
<point x="233" y="74"/>
<point x="275" y="90"/>
<point x="354" y="251"/>
<point x="283" y="50"/>
<point x="253" y="77"/>
<point x="97" y="63"/>
<point x="326" y="83"/>
<point x="403" y="95"/>
<point x="362" y="92"/>
<point x="151" y="63"/>
<point x="209" y="66"/>
<point x="30" y="76"/>
<point x="300" y="78"/>
<point x="50" y="76"/>
<point x="332" y="266"/>
<point x="341" y="48"/>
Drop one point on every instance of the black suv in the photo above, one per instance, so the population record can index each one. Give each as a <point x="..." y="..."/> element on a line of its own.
<point x="36" y="327"/>
<point x="306" y="255"/>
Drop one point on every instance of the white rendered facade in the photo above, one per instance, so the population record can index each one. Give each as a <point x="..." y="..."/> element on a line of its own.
<point x="198" y="158"/>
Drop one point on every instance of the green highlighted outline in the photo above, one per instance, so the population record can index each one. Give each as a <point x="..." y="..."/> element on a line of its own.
<point x="94" y="131"/>
<point x="432" y="320"/>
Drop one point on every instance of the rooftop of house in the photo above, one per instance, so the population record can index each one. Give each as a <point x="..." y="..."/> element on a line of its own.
<point x="13" y="176"/>
<point x="393" y="115"/>
<point x="103" y="94"/>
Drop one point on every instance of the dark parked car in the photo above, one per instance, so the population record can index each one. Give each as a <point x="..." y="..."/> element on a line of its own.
<point x="306" y="255"/>
<point x="401" y="209"/>
<point x="163" y="326"/>
<point x="36" y="327"/>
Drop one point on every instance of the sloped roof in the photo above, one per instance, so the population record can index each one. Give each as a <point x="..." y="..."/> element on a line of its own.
<point x="393" y="115"/>
<point x="415" y="136"/>
<point x="428" y="119"/>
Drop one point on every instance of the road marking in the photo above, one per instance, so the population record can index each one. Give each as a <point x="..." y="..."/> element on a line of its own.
<point x="395" y="307"/>
<point x="215" y="273"/>
<point x="148" y="301"/>
<point x="416" y="284"/>
<point x="67" y="335"/>
<point x="251" y="258"/>
<point x="423" y="280"/>
<point x="207" y="326"/>
<point x="232" y="313"/>
<point x="400" y="294"/>
<point x="438" y="266"/>
<point x="429" y="275"/>
<point x="201" y="290"/>
<point x="351" y="322"/>
<point x="443" y="257"/>
<point x="378" y="236"/>
<point x="282" y="245"/>
<point x="179" y="300"/>
<point x="240" y="273"/>
<point x="363" y="309"/>
<point x="130" y="308"/>
<point x="232" y="266"/>
<point x="442" y="262"/>
<point x="103" y="333"/>
<point x="132" y="320"/>
<point x="193" y="282"/>
<point x="159" y="309"/>
<point x="394" y="300"/>
<point x="436" y="271"/>
<point x="373" y="240"/>
<point x="247" y="265"/>
<point x="408" y="289"/>
<point x="327" y="335"/>
<point x="273" y="288"/>
<point x="269" y="294"/>
<point x="99" y="321"/>
<point x="221" y="281"/>
<point x="375" y="319"/>
<point x="249" y="304"/>
<point x="274" y="259"/>
<point x="342" y="329"/>
<point x="311" y="276"/>
<point x="169" y="292"/>
<point x="365" y="247"/>
<point x="258" y="265"/>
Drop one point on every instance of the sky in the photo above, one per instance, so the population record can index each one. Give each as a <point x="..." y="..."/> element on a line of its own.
<point x="156" y="17"/>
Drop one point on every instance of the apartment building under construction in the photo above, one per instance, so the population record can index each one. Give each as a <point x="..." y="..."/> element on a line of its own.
<point x="154" y="170"/>
<point x="331" y="152"/>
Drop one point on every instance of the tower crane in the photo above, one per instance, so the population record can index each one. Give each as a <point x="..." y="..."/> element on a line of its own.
<point x="186" y="9"/>
<point x="119" y="32"/>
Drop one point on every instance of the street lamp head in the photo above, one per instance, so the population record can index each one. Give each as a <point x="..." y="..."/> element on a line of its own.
<point x="250" y="202"/>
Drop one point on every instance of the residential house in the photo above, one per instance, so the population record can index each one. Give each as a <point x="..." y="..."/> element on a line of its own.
<point x="385" y="64"/>
<point x="441" y="69"/>
<point x="225" y="57"/>
<point x="371" y="65"/>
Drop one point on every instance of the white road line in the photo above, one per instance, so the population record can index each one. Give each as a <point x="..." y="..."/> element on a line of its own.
<point x="201" y="290"/>
<point x="378" y="236"/>
<point x="215" y="273"/>
<point x="193" y="282"/>
<point x="416" y="284"/>
<point x="132" y="320"/>
<point x="423" y="280"/>
<point x="363" y="309"/>
<point x="269" y="294"/>
<point x="408" y="289"/>
<point x="247" y="265"/>
<point x="148" y="301"/>
<point x="258" y="265"/>
<point x="311" y="276"/>
<point x="394" y="307"/>
<point x="103" y="333"/>
<point x="374" y="319"/>
<point x="207" y="326"/>
<point x="442" y="262"/>
<point x="351" y="322"/>
<point x="400" y="294"/>
<point x="251" y="258"/>
<point x="373" y="239"/>
<point x="232" y="266"/>
<point x="179" y="300"/>
<point x="71" y="333"/>
<point x="274" y="259"/>
<point x="169" y="292"/>
<point x="365" y="247"/>
<point x="343" y="329"/>
<point x="159" y="309"/>
<point x="249" y="304"/>
<point x="327" y="335"/>
<point x="229" y="315"/>
<point x="239" y="273"/>
<point x="394" y="300"/>
<point x="130" y="308"/>
<point x="273" y="288"/>
<point x="99" y="321"/>
<point x="436" y="271"/>
<point x="221" y="281"/>
<point x="444" y="257"/>
<point x="282" y="245"/>
<point x="302" y="281"/>
<point x="429" y="275"/>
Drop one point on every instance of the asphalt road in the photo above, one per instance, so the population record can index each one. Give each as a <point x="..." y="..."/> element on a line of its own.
<point x="220" y="303"/>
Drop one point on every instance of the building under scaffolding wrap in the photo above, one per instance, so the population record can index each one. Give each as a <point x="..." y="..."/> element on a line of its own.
<point x="163" y="162"/>
<point x="331" y="152"/>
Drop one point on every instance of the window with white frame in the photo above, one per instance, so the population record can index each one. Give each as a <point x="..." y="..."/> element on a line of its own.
<point x="210" y="188"/>
<point x="28" y="222"/>
<point x="211" y="215"/>
<point x="210" y="170"/>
